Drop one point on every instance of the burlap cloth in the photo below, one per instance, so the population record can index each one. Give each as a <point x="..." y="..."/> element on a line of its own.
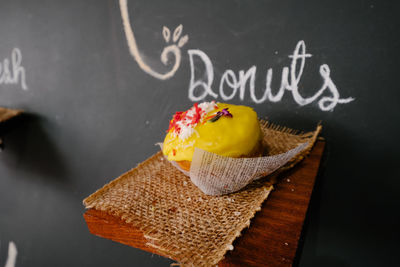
<point x="178" y="219"/>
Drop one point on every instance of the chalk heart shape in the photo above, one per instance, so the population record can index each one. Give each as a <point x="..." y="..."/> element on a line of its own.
<point x="177" y="43"/>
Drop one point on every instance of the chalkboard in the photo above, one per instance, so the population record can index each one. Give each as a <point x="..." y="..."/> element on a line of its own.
<point x="99" y="81"/>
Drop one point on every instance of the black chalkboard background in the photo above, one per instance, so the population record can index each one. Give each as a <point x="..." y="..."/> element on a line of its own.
<point x="93" y="113"/>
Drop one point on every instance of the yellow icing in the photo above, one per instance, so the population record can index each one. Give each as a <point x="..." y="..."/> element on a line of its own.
<point x="230" y="137"/>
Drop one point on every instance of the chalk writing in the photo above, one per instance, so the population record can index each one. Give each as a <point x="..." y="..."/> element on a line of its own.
<point x="327" y="96"/>
<point x="12" y="255"/>
<point x="174" y="48"/>
<point x="290" y="80"/>
<point x="11" y="71"/>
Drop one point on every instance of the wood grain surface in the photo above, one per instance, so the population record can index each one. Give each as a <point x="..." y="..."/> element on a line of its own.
<point x="273" y="236"/>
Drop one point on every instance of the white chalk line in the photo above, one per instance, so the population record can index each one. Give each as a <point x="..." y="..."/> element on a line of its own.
<point x="12" y="254"/>
<point x="174" y="48"/>
<point x="290" y="80"/>
<point x="11" y="71"/>
<point x="290" y="77"/>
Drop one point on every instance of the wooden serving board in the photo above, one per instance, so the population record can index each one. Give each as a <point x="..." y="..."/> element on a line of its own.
<point x="6" y="113"/>
<point x="273" y="236"/>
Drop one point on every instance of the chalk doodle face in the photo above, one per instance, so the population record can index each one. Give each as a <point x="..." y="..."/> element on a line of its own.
<point x="235" y="83"/>
<point x="175" y="48"/>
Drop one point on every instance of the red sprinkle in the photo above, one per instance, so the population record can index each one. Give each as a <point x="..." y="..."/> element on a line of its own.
<point x="178" y="116"/>
<point x="181" y="115"/>
<point x="174" y="152"/>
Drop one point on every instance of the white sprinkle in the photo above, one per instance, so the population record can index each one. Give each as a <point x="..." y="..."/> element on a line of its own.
<point x="186" y="126"/>
<point x="292" y="190"/>
<point x="237" y="213"/>
<point x="147" y="122"/>
<point x="288" y="180"/>
<point x="286" y="244"/>
<point x="191" y="143"/>
<point x="184" y="183"/>
<point x="186" y="131"/>
<point x="188" y="199"/>
<point x="196" y="132"/>
<point x="207" y="106"/>
<point x="230" y="247"/>
<point x="276" y="52"/>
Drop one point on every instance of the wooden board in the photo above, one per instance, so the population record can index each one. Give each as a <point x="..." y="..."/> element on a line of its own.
<point x="6" y="114"/>
<point x="273" y="236"/>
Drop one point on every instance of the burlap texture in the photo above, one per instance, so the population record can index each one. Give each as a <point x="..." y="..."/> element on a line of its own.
<point x="177" y="218"/>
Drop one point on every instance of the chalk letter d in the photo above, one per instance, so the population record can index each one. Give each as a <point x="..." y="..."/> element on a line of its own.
<point x="209" y="77"/>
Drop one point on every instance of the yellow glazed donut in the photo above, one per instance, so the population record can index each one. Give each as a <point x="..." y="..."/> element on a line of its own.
<point x="224" y="129"/>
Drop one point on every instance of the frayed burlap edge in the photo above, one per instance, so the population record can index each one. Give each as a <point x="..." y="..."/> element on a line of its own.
<point x="311" y="136"/>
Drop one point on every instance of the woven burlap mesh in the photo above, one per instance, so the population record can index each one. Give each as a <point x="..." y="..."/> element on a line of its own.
<point x="178" y="219"/>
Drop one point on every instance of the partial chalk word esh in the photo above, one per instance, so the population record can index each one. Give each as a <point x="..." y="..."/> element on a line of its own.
<point x="11" y="71"/>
